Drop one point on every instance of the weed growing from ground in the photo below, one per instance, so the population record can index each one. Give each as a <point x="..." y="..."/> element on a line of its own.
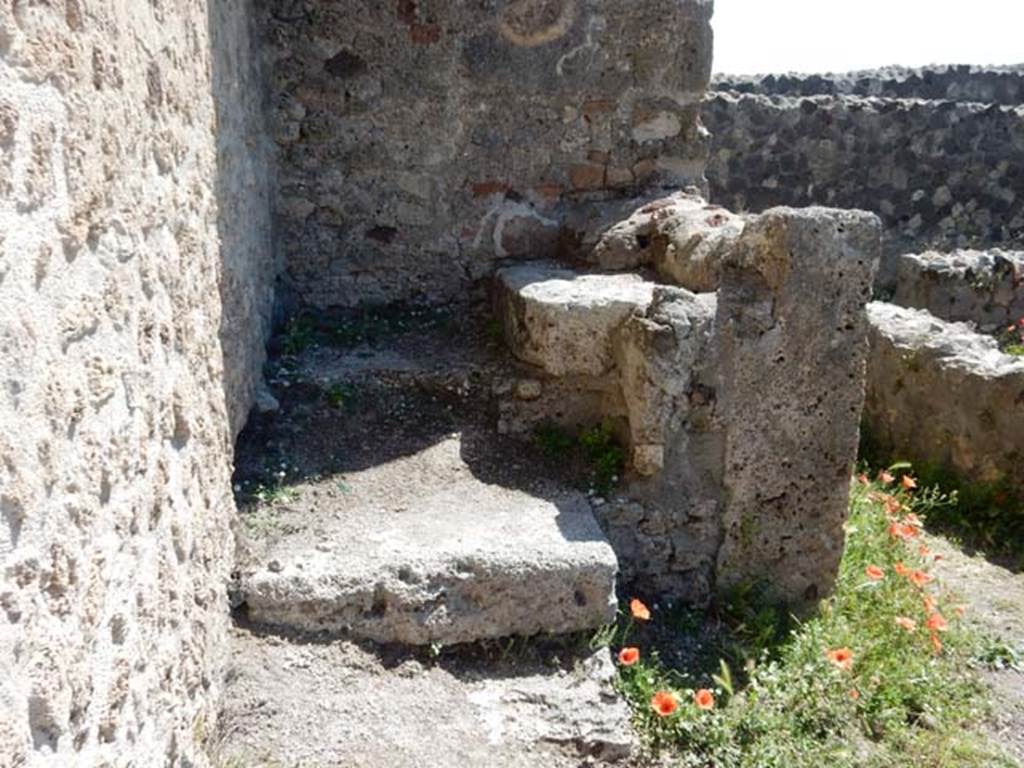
<point x="597" y="449"/>
<point x="1011" y="339"/>
<point x="879" y="677"/>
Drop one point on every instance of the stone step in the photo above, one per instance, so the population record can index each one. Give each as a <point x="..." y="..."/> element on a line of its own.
<point x="420" y="550"/>
<point x="546" y="704"/>
<point x="562" y="321"/>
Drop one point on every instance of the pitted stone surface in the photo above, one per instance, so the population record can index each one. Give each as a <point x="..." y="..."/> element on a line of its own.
<point x="445" y="559"/>
<point x="792" y="336"/>
<point x="663" y="356"/>
<point x="982" y="287"/>
<point x="940" y="393"/>
<point x="428" y="141"/>
<point x="121" y="215"/>
<point x="563" y="321"/>
<point x="682" y="237"/>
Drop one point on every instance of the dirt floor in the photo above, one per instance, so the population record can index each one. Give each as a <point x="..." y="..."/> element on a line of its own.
<point x="994" y="596"/>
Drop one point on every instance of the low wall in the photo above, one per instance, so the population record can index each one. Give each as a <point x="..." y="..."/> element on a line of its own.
<point x="938" y="173"/>
<point x="427" y="141"/>
<point x="940" y="394"/>
<point x="115" y="442"/>
<point x="986" y="85"/>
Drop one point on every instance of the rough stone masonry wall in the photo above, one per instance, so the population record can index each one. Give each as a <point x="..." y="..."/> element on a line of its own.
<point x="423" y="140"/>
<point x="985" y="85"/>
<point x="941" y="172"/>
<point x="115" y="445"/>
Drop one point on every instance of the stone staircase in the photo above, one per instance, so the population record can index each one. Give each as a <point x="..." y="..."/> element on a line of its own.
<point x="405" y="538"/>
<point x="396" y="508"/>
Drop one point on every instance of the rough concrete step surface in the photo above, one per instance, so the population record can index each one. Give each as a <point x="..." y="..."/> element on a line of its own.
<point x="327" y="704"/>
<point x="402" y="516"/>
<point x="421" y="551"/>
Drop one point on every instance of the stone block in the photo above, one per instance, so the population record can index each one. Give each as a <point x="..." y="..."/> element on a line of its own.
<point x="563" y="321"/>
<point x="982" y="287"/>
<point x="939" y="393"/>
<point x="464" y="561"/>
<point x="792" y="336"/>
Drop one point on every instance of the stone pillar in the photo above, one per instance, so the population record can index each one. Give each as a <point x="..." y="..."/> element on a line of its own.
<point x="792" y="341"/>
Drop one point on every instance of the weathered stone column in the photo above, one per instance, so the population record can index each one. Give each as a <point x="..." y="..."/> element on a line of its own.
<point x="792" y="338"/>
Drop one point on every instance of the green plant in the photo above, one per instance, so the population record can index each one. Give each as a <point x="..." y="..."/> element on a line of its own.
<point x="1011" y="338"/>
<point x="299" y="335"/>
<point x="597" y="449"/>
<point x="785" y="696"/>
<point x="338" y="395"/>
<point x="554" y="441"/>
<point x="605" y="455"/>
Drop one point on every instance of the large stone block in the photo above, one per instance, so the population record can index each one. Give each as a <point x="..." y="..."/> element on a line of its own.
<point x="464" y="560"/>
<point x="792" y="339"/>
<point x="564" y="321"/>
<point x="941" y="394"/>
<point x="682" y="237"/>
<point x="982" y="287"/>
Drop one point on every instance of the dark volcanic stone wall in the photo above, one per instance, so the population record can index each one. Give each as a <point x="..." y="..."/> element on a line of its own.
<point x="986" y="85"/>
<point x="420" y="141"/>
<point x="939" y="173"/>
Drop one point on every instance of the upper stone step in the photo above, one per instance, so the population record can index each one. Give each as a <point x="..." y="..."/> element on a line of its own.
<point x="420" y="550"/>
<point x="562" y="320"/>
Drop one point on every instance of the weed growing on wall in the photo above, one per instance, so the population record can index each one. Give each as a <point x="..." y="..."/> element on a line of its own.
<point x="878" y="677"/>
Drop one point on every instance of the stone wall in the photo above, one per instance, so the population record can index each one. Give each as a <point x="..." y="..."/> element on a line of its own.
<point x="938" y="173"/>
<point x="115" y="446"/>
<point x="943" y="396"/>
<point x="986" y="85"/>
<point x="423" y="140"/>
<point x="981" y="287"/>
<point x="245" y="187"/>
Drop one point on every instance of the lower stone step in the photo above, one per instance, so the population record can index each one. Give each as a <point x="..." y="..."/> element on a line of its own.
<point x="303" y="701"/>
<point x="421" y="550"/>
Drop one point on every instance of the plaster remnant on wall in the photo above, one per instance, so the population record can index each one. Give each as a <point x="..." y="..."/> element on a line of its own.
<point x="530" y="23"/>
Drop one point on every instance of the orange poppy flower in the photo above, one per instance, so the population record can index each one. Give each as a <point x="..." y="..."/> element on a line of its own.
<point x="919" y="578"/>
<point x="892" y="506"/>
<point x="901" y="569"/>
<point x="874" y="573"/>
<point x="629" y="656"/>
<point x="704" y="699"/>
<point x="841" y="657"/>
<point x="937" y="623"/>
<point x="863" y="479"/>
<point x="664" y="703"/>
<point x="929" y="604"/>
<point x="914" y="520"/>
<point x="854" y="694"/>
<point x="639" y="610"/>
<point x="902" y="531"/>
<point x="908" y="624"/>
<point x="908" y="483"/>
<point x="885" y="478"/>
<point x="936" y="643"/>
<point x="923" y="551"/>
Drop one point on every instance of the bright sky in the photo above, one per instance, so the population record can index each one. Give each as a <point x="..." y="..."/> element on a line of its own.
<point x="770" y="36"/>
